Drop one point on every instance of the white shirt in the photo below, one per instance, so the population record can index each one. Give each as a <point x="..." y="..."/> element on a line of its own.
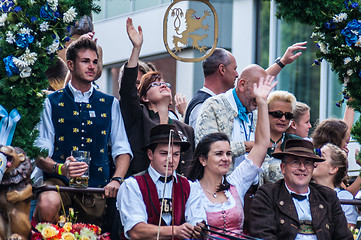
<point x="303" y="212"/>
<point x="132" y="209"/>
<point x="349" y="210"/>
<point x="242" y="178"/>
<point x="118" y="136"/>
<point x="197" y="110"/>
<point x="242" y="131"/>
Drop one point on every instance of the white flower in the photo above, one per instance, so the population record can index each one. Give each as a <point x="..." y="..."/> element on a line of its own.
<point x="53" y="4"/>
<point x="340" y="17"/>
<point x="28" y="57"/>
<point x="3" y="18"/>
<point x="53" y="47"/>
<point x="25" y="31"/>
<point x="10" y="37"/>
<point x="323" y="47"/>
<point x="357" y="58"/>
<point x="32" y="2"/>
<point x="44" y="26"/>
<point x="20" y="63"/>
<point x="69" y="15"/>
<point x="19" y="25"/>
<point x="347" y="60"/>
<point x="349" y="72"/>
<point x="26" y="72"/>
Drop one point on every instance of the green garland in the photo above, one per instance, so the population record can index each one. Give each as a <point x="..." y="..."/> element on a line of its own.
<point x="310" y="12"/>
<point x="338" y="35"/>
<point x="31" y="33"/>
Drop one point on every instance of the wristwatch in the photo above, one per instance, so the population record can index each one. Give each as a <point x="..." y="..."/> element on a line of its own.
<point x="278" y="61"/>
<point x="120" y="180"/>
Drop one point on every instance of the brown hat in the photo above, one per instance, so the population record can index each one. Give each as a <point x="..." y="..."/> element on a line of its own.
<point x="160" y="134"/>
<point x="298" y="148"/>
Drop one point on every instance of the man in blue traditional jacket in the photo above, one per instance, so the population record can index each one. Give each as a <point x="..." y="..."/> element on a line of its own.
<point x="79" y="117"/>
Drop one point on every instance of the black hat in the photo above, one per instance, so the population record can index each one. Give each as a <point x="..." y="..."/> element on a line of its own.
<point x="160" y="134"/>
<point x="299" y="148"/>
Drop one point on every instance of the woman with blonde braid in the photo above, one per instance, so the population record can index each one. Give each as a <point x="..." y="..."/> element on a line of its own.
<point x="331" y="173"/>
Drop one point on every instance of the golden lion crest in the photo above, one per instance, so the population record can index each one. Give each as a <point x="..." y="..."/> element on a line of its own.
<point x="194" y="26"/>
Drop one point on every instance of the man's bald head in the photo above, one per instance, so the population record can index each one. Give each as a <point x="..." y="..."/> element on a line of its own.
<point x="244" y="88"/>
<point x="252" y="73"/>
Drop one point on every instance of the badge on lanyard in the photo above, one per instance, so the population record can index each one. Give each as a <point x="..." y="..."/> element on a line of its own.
<point x="92" y="114"/>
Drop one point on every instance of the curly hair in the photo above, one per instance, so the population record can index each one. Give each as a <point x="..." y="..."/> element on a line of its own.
<point x="329" y="131"/>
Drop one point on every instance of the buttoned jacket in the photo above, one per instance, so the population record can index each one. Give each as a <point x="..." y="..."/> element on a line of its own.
<point x="218" y="115"/>
<point x="274" y="216"/>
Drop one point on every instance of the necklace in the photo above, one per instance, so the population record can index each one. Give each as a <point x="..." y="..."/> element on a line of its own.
<point x="213" y="194"/>
<point x="274" y="144"/>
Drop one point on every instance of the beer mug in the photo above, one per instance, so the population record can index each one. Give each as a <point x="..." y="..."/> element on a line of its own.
<point x="82" y="181"/>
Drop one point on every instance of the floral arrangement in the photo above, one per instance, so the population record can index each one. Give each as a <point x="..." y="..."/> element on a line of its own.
<point x="354" y="231"/>
<point x="31" y="33"/>
<point x="306" y="12"/>
<point x="69" y="231"/>
<point x="339" y="41"/>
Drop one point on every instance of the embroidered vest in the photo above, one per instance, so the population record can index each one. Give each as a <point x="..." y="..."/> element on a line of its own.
<point x="151" y="198"/>
<point x="198" y="98"/>
<point x="82" y="126"/>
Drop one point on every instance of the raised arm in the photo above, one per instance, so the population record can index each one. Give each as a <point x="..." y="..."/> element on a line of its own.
<point x="136" y="37"/>
<point x="287" y="58"/>
<point x="262" y="135"/>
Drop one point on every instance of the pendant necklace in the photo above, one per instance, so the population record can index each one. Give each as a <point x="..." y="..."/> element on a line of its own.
<point x="274" y="144"/>
<point x="213" y="194"/>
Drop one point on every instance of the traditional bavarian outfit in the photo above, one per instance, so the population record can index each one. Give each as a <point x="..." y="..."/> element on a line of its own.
<point x="140" y="196"/>
<point x="279" y="213"/>
<point x="229" y="215"/>
<point x="89" y="121"/>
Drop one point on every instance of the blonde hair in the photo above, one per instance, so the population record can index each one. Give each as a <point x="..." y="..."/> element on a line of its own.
<point x="301" y="109"/>
<point x="282" y="96"/>
<point x="338" y="159"/>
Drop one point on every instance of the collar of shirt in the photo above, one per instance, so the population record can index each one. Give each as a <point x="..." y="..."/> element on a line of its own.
<point x="79" y="96"/>
<point x="207" y="90"/>
<point x="303" y="194"/>
<point x="154" y="175"/>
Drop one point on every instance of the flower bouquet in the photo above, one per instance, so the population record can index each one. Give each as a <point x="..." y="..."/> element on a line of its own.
<point x="339" y="41"/>
<point x="69" y="231"/>
<point x="31" y="33"/>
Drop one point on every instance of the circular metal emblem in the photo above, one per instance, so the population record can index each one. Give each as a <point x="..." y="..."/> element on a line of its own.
<point x="193" y="28"/>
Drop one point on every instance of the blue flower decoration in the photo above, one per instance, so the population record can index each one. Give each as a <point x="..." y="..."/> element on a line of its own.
<point x="33" y="19"/>
<point x="6" y="5"/>
<point x="327" y="25"/>
<point x="23" y="40"/>
<point x="10" y="67"/>
<point x="67" y="39"/>
<point x="316" y="62"/>
<point x="350" y="37"/>
<point x="47" y="13"/>
<point x="17" y="9"/>
<point x="354" y="5"/>
<point x="359" y="74"/>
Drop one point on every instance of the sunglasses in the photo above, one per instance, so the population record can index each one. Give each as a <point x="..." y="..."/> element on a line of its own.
<point x="158" y="84"/>
<point x="279" y="114"/>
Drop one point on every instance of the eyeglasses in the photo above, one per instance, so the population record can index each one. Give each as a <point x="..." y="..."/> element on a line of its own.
<point x="279" y="114"/>
<point x="158" y="84"/>
<point x="296" y="164"/>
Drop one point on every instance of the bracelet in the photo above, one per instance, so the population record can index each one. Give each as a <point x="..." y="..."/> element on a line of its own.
<point x="54" y="168"/>
<point x="120" y="180"/>
<point x="59" y="169"/>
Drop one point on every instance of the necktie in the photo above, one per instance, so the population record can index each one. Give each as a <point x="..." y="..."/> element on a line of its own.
<point x="162" y="179"/>
<point x="298" y="197"/>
